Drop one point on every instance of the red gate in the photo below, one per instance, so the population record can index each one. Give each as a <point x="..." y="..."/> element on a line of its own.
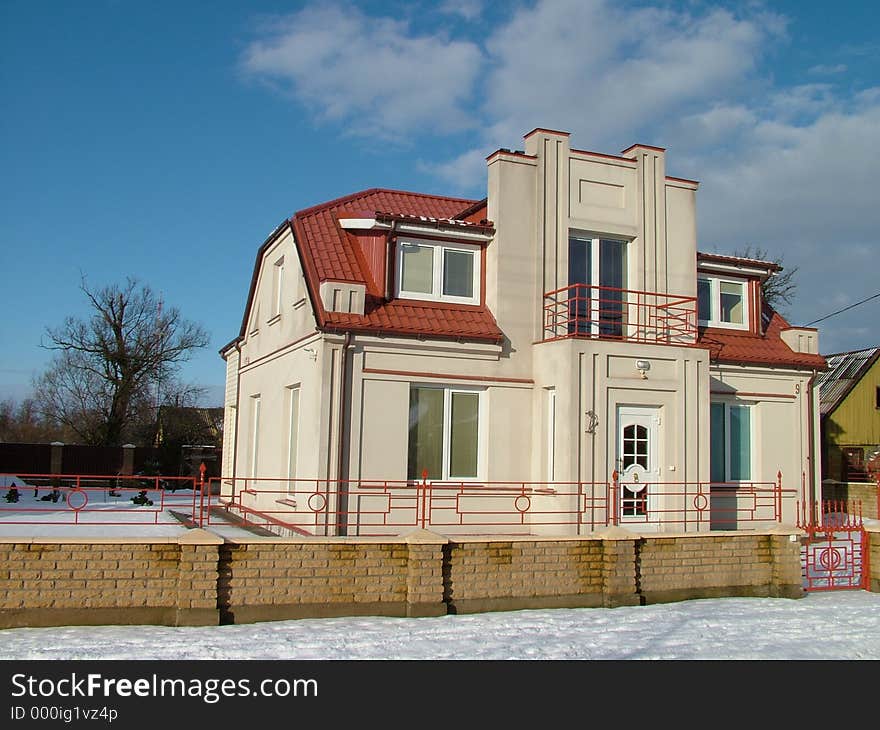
<point x="834" y="555"/>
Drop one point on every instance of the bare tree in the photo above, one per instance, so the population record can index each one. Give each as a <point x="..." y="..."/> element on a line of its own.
<point x="108" y="365"/>
<point x="779" y="288"/>
<point x="23" y="422"/>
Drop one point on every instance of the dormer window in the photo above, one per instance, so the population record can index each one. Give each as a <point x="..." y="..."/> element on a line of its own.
<point x="434" y="271"/>
<point x="722" y="302"/>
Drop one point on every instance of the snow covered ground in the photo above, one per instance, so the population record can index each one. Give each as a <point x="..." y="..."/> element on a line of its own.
<point x="839" y="625"/>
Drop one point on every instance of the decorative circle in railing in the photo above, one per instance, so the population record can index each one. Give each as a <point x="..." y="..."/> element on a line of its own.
<point x="77" y="499"/>
<point x="317" y="502"/>
<point x="830" y="558"/>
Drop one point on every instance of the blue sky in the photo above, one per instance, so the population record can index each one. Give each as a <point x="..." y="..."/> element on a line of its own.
<point x="165" y="140"/>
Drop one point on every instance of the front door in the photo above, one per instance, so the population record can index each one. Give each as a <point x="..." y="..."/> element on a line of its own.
<point x="638" y="464"/>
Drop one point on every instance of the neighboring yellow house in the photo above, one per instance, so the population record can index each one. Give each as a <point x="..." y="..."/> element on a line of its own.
<point x="849" y="393"/>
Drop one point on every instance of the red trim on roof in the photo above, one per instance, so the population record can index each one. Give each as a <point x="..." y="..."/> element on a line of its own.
<point x="486" y="227"/>
<point x="768" y="265"/>
<point x="512" y="154"/>
<point x="546" y="131"/>
<point x="682" y="179"/>
<point x="643" y="146"/>
<point x="607" y="157"/>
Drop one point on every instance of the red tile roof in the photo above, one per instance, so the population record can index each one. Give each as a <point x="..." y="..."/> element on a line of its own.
<point x="329" y="254"/>
<point x="748" y="348"/>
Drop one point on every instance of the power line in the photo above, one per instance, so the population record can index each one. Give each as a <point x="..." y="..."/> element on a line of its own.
<point x="815" y="321"/>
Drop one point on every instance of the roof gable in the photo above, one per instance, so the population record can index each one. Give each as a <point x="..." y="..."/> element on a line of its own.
<point x="328" y="252"/>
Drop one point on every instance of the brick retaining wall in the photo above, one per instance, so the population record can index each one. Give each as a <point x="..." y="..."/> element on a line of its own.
<point x="200" y="579"/>
<point x="92" y="581"/>
<point x="275" y="578"/>
<point x="874" y="559"/>
<point x="866" y="493"/>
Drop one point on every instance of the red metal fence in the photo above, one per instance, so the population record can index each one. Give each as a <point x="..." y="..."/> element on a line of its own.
<point x="75" y="499"/>
<point x="361" y="507"/>
<point x="581" y="310"/>
<point x="834" y="553"/>
<point x="374" y="507"/>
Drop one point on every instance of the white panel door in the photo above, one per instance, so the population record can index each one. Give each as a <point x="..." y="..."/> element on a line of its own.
<point x="638" y="464"/>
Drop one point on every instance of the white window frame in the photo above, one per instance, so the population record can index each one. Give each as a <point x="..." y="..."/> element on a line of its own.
<point x="715" y="301"/>
<point x="255" y="435"/>
<point x="728" y="405"/>
<point x="439" y="248"/>
<point x="551" y="434"/>
<point x="293" y="431"/>
<point x="448" y="390"/>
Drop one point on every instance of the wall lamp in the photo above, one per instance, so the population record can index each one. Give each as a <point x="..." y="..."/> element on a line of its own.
<point x="643" y="366"/>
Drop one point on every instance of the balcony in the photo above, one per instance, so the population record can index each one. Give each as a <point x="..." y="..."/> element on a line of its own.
<point x="605" y="313"/>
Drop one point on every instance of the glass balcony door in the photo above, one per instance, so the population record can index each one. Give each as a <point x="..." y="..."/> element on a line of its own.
<point x="597" y="279"/>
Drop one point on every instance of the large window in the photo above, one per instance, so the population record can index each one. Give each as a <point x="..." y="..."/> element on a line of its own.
<point x="722" y="302"/>
<point x="597" y="280"/>
<point x="438" y="271"/>
<point x="731" y="442"/>
<point x="444" y="433"/>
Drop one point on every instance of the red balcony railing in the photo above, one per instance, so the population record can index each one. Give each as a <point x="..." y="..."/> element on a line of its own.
<point x="582" y="310"/>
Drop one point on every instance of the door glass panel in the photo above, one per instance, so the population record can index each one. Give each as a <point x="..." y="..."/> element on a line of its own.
<point x="634" y="503"/>
<point x="635" y="446"/>
<point x="579" y="279"/>
<point x="612" y="279"/>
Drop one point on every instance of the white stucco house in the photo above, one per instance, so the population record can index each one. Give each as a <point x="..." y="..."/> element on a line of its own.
<point x="554" y="358"/>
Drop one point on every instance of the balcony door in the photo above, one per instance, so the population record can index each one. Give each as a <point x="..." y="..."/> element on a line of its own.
<point x="596" y="279"/>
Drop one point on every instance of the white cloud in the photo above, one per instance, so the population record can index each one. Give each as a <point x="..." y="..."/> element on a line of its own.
<point x="805" y="192"/>
<point x="605" y="72"/>
<point x="467" y="172"/>
<point x="374" y="75"/>
<point x="823" y="69"/>
<point x="467" y="9"/>
<point x="787" y="168"/>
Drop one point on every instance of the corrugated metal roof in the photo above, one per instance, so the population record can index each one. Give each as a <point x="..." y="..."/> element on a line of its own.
<point x="845" y="369"/>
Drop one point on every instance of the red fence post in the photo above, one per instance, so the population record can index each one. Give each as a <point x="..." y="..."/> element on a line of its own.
<point x="423" y="498"/>
<point x="202" y="470"/>
<point x="614" y="490"/>
<point x="778" y="509"/>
